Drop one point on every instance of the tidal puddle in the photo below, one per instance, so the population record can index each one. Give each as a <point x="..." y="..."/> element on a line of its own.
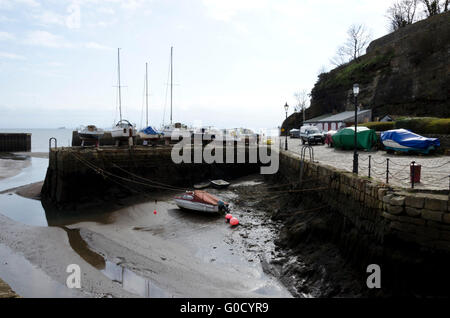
<point x="132" y="282"/>
<point x="35" y="172"/>
<point x="28" y="280"/>
<point x="26" y="211"/>
<point x="129" y="280"/>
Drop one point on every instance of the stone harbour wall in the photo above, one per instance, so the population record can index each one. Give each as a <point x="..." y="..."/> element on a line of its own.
<point x="78" y="176"/>
<point x="376" y="208"/>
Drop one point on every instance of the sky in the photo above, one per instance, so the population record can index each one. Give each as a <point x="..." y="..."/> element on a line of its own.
<point x="235" y="64"/>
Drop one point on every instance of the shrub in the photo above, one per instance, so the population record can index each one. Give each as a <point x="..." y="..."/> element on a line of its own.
<point x="439" y="126"/>
<point x="380" y="125"/>
<point x="418" y="125"/>
<point x="425" y="125"/>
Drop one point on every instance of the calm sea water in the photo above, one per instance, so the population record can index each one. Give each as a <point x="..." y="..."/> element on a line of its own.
<point x="40" y="137"/>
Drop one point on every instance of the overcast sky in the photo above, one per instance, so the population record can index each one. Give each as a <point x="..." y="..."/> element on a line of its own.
<point x="236" y="62"/>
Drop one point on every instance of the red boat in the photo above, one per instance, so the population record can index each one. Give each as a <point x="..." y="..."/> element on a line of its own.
<point x="200" y="201"/>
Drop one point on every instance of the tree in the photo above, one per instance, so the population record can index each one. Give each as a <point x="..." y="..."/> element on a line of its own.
<point x="302" y="98"/>
<point x="357" y="41"/>
<point x="434" y="7"/>
<point x="402" y="13"/>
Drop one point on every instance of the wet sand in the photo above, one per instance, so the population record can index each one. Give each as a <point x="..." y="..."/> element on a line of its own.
<point x="133" y="252"/>
<point x="10" y="166"/>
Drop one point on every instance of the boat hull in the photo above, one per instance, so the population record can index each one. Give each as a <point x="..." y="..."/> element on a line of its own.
<point x="219" y="184"/>
<point x="394" y="146"/>
<point x="196" y="206"/>
<point x="123" y="133"/>
<point x="88" y="136"/>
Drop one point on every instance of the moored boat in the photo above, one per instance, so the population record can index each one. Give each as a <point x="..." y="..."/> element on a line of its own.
<point x="123" y="129"/>
<point x="201" y="201"/>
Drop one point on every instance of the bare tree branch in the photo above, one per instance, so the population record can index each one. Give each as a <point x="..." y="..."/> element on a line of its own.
<point x="433" y="7"/>
<point x="358" y="40"/>
<point x="402" y="13"/>
<point x="302" y="98"/>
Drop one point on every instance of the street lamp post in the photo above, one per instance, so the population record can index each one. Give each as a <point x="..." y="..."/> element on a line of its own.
<point x="355" y="153"/>
<point x="286" y="107"/>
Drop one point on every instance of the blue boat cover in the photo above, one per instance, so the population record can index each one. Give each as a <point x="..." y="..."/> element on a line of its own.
<point x="150" y="131"/>
<point x="409" y="139"/>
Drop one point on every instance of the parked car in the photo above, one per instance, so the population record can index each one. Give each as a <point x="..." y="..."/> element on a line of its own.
<point x="311" y="135"/>
<point x="294" y="133"/>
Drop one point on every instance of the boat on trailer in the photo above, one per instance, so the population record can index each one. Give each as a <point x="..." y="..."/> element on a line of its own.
<point x="90" y="133"/>
<point x="201" y="201"/>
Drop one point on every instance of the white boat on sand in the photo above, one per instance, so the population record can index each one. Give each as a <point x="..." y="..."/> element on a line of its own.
<point x="201" y="201"/>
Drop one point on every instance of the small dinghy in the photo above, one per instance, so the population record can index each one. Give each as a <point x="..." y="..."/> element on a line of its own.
<point x="201" y="201"/>
<point x="220" y="184"/>
<point x="202" y="185"/>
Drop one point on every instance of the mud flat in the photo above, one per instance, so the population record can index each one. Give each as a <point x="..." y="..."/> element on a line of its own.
<point x="133" y="252"/>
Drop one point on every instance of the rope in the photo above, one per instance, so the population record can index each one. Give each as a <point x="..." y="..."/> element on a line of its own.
<point x="148" y="180"/>
<point x="436" y="167"/>
<point x="103" y="172"/>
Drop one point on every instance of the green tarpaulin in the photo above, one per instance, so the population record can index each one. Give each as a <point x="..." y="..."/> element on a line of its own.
<point x="345" y="138"/>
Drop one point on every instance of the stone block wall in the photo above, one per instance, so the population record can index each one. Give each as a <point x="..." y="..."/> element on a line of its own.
<point x="375" y="208"/>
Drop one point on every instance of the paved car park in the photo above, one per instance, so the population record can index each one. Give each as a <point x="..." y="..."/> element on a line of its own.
<point x="435" y="169"/>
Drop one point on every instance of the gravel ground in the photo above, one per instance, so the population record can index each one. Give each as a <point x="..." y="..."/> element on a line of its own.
<point x="435" y="169"/>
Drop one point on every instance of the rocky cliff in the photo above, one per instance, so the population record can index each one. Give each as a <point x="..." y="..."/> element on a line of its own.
<point x="406" y="72"/>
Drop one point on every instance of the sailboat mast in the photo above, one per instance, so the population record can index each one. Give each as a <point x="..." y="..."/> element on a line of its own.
<point x="118" y="74"/>
<point x="146" y="93"/>
<point x="171" y="81"/>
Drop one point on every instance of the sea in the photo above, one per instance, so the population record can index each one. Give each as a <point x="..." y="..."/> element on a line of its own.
<point x="40" y="137"/>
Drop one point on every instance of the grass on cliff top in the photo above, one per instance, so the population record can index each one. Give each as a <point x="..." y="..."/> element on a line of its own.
<point x="419" y="125"/>
<point x="361" y="70"/>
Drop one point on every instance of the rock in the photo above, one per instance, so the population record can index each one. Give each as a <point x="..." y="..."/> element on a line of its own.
<point x="394" y="209"/>
<point x="412" y="211"/>
<point x="436" y="204"/>
<point x="397" y="201"/>
<point x="432" y="215"/>
<point x="415" y="201"/>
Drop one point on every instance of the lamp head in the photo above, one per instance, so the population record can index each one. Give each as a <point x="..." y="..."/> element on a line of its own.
<point x="286" y="107"/>
<point x="355" y="89"/>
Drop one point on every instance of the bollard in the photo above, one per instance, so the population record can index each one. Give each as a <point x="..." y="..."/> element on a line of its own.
<point x="370" y="165"/>
<point x="387" y="170"/>
<point x="412" y="174"/>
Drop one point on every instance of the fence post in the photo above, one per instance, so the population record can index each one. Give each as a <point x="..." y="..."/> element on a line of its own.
<point x="412" y="174"/>
<point x="370" y="166"/>
<point x="387" y="170"/>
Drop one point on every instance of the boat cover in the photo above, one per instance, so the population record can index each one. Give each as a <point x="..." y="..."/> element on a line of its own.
<point x="206" y="197"/>
<point x="345" y="138"/>
<point x="409" y="139"/>
<point x="150" y="131"/>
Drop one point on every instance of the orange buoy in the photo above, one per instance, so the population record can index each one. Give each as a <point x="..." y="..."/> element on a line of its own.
<point x="228" y="217"/>
<point x="234" y="221"/>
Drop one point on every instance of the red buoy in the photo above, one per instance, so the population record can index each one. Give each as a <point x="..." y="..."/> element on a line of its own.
<point x="228" y="217"/>
<point x="154" y="212"/>
<point x="234" y="221"/>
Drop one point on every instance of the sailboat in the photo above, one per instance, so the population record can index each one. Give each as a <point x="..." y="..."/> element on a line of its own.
<point x="123" y="129"/>
<point x="148" y="132"/>
<point x="167" y="130"/>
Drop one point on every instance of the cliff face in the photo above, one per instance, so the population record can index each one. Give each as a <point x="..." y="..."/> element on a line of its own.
<point x="403" y="73"/>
